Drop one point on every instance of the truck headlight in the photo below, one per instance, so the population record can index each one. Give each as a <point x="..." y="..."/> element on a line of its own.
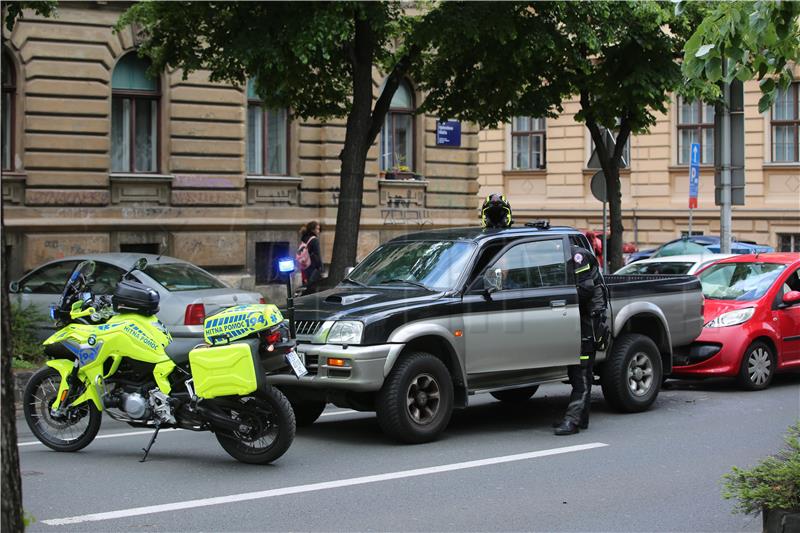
<point x="732" y="318"/>
<point x="346" y="332"/>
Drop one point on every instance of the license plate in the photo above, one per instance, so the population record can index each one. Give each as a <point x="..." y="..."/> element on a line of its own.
<point x="297" y="365"/>
<point x="302" y="356"/>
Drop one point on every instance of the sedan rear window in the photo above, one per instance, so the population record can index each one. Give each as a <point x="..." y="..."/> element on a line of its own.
<point x="739" y="281"/>
<point x="182" y="277"/>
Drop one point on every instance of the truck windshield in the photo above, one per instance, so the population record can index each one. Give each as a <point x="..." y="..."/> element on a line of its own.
<point x="739" y="281"/>
<point x="436" y="265"/>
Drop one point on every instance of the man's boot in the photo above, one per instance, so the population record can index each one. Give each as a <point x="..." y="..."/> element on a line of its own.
<point x="577" y="415"/>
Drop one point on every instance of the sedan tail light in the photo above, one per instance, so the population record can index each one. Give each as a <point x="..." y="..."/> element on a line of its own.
<point x="195" y="314"/>
<point x="262" y="300"/>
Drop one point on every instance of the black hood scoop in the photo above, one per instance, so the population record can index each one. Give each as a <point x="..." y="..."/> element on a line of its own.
<point x="347" y="299"/>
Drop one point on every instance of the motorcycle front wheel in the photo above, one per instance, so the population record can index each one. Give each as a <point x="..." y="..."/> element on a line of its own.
<point x="68" y="432"/>
<point x="266" y="430"/>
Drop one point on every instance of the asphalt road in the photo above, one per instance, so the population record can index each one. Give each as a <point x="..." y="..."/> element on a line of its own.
<point x="498" y="468"/>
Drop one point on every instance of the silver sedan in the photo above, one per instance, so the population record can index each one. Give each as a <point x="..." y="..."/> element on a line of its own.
<point x="187" y="293"/>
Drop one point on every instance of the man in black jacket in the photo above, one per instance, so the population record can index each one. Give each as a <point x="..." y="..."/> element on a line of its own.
<point x="592" y="303"/>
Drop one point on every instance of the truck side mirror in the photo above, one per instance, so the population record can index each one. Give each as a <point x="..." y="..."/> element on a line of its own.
<point x="493" y="281"/>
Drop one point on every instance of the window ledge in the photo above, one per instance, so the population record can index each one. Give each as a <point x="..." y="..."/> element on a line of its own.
<point x="13" y="176"/>
<point x="133" y="176"/>
<point x="783" y="164"/>
<point x="525" y="172"/>
<point x="275" y="179"/>
<point x="672" y="168"/>
<point x="404" y="182"/>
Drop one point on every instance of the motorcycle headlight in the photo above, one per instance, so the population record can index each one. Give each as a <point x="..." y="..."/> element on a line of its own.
<point x="732" y="318"/>
<point x="346" y="332"/>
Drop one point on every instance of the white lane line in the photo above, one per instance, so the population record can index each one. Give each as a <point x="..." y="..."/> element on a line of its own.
<point x="297" y="489"/>
<point x="150" y="432"/>
<point x="109" y="436"/>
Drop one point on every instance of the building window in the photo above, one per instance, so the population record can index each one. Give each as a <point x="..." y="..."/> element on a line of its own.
<point x="786" y="125"/>
<point x="528" y="143"/>
<point x="267" y="255"/>
<point x="695" y="125"/>
<point x="789" y="242"/>
<point x="134" y="116"/>
<point x="397" y="135"/>
<point x="267" y="137"/>
<point x="9" y="92"/>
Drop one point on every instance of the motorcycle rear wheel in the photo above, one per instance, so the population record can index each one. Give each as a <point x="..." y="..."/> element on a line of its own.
<point x="268" y="427"/>
<point x="69" y="432"/>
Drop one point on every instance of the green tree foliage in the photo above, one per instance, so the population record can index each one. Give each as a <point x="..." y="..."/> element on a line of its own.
<point x="772" y="484"/>
<point x="758" y="39"/>
<point x="24" y="344"/>
<point x="13" y="10"/>
<point x="316" y="58"/>
<point x="490" y="61"/>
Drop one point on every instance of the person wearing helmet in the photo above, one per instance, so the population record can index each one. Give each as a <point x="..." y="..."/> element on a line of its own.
<point x="592" y="303"/>
<point x="496" y="212"/>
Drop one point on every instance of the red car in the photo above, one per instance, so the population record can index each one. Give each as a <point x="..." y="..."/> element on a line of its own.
<point x="752" y="316"/>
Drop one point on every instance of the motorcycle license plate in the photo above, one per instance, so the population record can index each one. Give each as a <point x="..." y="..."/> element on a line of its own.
<point x="297" y="365"/>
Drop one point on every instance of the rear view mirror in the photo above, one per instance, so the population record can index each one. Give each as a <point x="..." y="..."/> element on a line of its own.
<point x="141" y="264"/>
<point x="791" y="298"/>
<point x="493" y="280"/>
<point x="13" y="287"/>
<point x="348" y="270"/>
<point x="86" y="269"/>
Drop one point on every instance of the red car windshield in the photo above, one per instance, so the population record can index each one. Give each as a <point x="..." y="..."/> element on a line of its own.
<point x="739" y="281"/>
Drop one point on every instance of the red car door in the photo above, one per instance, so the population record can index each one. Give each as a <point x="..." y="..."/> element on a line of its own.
<point x="788" y="320"/>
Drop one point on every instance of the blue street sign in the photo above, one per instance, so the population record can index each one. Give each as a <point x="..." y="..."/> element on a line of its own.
<point x="448" y="133"/>
<point x="694" y="175"/>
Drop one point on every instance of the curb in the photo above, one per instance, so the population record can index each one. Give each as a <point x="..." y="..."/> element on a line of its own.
<point x="21" y="378"/>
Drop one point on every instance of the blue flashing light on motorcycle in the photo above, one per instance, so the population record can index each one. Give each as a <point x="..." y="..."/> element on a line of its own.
<point x="286" y="264"/>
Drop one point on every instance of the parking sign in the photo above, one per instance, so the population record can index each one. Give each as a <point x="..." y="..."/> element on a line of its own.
<point x="694" y="175"/>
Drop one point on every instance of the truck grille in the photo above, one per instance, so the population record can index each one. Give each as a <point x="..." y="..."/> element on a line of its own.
<point x="312" y="364"/>
<point x="307" y="327"/>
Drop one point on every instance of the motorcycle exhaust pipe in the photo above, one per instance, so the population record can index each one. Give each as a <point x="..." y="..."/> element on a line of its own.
<point x="216" y="419"/>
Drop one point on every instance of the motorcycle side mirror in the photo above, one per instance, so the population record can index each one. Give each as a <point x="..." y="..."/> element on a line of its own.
<point x="86" y="269"/>
<point x="13" y="287"/>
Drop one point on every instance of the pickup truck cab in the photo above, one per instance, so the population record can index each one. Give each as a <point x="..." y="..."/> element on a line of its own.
<point x="429" y="319"/>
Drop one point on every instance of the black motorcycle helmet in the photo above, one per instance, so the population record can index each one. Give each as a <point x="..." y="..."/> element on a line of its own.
<point x="496" y="212"/>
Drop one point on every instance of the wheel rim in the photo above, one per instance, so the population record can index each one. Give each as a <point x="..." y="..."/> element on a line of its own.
<point x="640" y="374"/>
<point x="423" y="399"/>
<point x="759" y="366"/>
<point x="64" y="429"/>
<point x="258" y="429"/>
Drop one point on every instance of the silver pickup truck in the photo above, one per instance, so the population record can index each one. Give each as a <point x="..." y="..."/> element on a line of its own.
<point x="422" y="323"/>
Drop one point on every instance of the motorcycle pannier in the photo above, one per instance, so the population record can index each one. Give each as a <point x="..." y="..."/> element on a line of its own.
<point x="135" y="297"/>
<point x="228" y="370"/>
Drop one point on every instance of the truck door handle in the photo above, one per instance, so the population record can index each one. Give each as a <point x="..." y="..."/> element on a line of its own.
<point x="558" y="303"/>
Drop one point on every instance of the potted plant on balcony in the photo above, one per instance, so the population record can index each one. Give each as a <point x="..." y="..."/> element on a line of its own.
<point x="772" y="487"/>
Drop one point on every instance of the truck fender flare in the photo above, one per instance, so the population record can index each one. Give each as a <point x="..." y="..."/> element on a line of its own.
<point x="417" y="330"/>
<point x="640" y="309"/>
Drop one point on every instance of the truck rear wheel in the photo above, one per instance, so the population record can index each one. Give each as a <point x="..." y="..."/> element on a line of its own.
<point x="631" y="376"/>
<point x="416" y="400"/>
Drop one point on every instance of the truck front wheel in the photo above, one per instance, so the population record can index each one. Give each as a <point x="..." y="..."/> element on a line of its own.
<point x="631" y="376"/>
<point x="416" y="400"/>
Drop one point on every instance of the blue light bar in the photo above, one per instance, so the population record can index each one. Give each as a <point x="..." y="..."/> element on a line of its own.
<point x="286" y="264"/>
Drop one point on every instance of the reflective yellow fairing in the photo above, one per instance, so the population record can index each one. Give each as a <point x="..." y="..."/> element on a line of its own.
<point x="238" y="322"/>
<point x="142" y="338"/>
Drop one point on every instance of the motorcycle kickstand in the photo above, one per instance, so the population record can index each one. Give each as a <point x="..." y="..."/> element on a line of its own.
<point x="150" y="445"/>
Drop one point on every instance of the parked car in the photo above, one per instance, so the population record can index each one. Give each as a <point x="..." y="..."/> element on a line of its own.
<point x="673" y="265"/>
<point x="752" y="321"/>
<point x="428" y="319"/>
<point x="698" y="244"/>
<point x="596" y="240"/>
<point x="188" y="293"/>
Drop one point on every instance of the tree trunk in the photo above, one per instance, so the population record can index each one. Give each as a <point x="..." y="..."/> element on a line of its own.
<point x="12" y="483"/>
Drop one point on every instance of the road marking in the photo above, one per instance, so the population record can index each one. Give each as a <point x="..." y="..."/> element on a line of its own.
<point x="150" y="432"/>
<point x="298" y="489"/>
<point x="109" y="436"/>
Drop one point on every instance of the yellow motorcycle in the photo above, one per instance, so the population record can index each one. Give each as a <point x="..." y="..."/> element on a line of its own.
<point x="112" y="355"/>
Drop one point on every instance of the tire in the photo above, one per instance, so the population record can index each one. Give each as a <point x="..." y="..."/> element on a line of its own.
<point x="272" y="423"/>
<point x="520" y="395"/>
<point x="632" y="374"/>
<point x="758" y="367"/>
<point x="70" y="433"/>
<point x="416" y="400"/>
<point x="307" y="412"/>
